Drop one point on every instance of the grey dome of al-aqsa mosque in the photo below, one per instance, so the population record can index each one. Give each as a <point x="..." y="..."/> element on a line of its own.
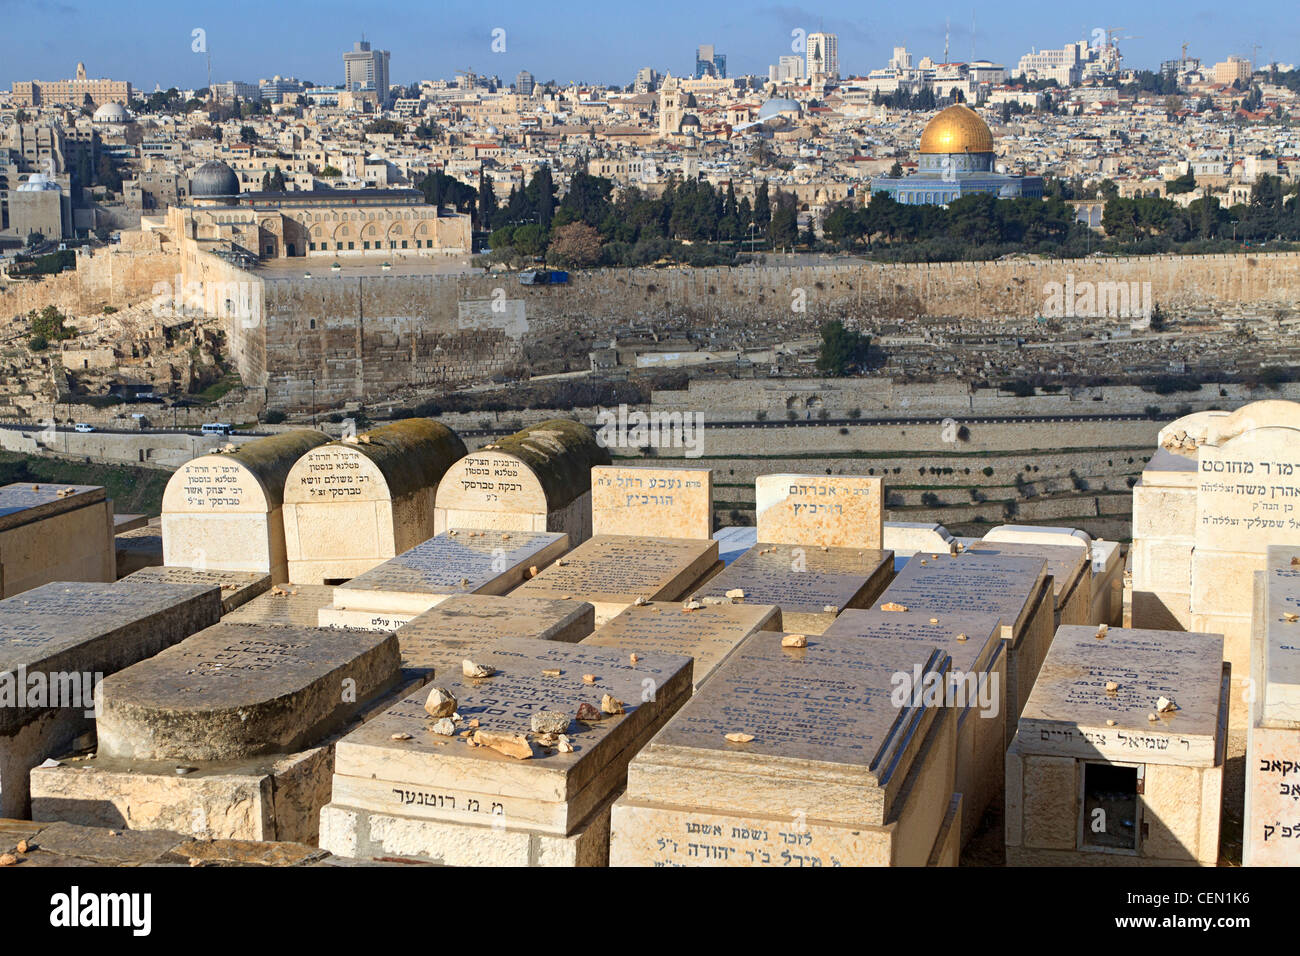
<point x="213" y="180"/>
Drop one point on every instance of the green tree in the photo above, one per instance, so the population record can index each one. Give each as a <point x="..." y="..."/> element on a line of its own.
<point x="842" y="349"/>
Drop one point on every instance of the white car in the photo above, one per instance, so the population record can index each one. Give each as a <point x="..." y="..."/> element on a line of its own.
<point x="83" y="427"/>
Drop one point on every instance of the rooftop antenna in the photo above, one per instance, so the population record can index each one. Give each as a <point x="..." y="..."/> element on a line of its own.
<point x="947" y="25"/>
<point x="972" y="36"/>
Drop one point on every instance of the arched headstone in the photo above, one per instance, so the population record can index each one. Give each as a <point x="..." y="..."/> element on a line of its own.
<point x="224" y="511"/>
<point x="351" y="505"/>
<point x="538" y="479"/>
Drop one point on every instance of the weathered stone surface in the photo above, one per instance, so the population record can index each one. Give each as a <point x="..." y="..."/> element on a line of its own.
<point x="665" y="502"/>
<point x="237" y="587"/>
<point x="844" y="511"/>
<point x="287" y="605"/>
<point x="435" y="642"/>
<point x="54" y="533"/>
<point x="238" y="690"/>
<point x="1071" y="713"/>
<point x="432" y="777"/>
<point x="707" y="635"/>
<point x="457" y="562"/>
<point x="810" y="584"/>
<point x="613" y="571"/>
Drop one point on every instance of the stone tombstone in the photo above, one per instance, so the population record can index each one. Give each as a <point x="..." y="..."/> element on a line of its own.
<point x="138" y="548"/>
<point x="352" y="504"/>
<point x="225" y="510"/>
<point x="810" y="584"/>
<point x="976" y="688"/>
<point x="665" y="502"/>
<point x="538" y="479"/>
<point x="54" y="533"/>
<point x="906" y="538"/>
<point x="1071" y="571"/>
<point x="237" y="587"/>
<point x="58" y="641"/>
<point x="1271" y="830"/>
<point x="238" y="690"/>
<point x="403" y="789"/>
<point x="291" y="605"/>
<point x="612" y="571"/>
<point x="1118" y="758"/>
<point x="825" y="755"/>
<point x="459" y="561"/>
<point x="844" y="511"/>
<point x="1016" y="588"/>
<point x="707" y="634"/>
<point x="1247" y="498"/>
<point x="436" y="642"/>
<point x="1158" y="588"/>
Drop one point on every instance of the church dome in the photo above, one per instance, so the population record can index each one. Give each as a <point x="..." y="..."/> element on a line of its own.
<point x="958" y="129"/>
<point x="775" y="107"/>
<point x="214" y="179"/>
<point x="111" y="113"/>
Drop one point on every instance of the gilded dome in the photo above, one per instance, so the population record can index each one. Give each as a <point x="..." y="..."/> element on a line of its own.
<point x="958" y="129"/>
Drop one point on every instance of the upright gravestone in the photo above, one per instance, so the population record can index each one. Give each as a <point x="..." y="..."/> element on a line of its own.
<point x="522" y="774"/>
<point x="665" y="502"/>
<point x="816" y="755"/>
<point x="434" y="644"/>
<point x="225" y="735"/>
<point x="613" y="571"/>
<point x="811" y="585"/>
<point x="976" y="688"/>
<point x="353" y="504"/>
<point x="457" y="562"/>
<point x="224" y="510"/>
<point x="538" y="479"/>
<point x="1271" y="831"/>
<point x="54" y="533"/>
<point x="1119" y="755"/>
<point x="58" y="641"/>
<point x="844" y="511"/>
<point x="1247" y="498"/>
<point x="1015" y="588"/>
<point x="705" y="634"/>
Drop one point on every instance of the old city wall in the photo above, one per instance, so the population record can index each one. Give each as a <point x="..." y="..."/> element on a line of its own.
<point x="361" y="337"/>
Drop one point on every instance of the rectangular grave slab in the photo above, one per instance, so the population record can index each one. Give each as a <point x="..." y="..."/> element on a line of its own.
<point x="136" y="549"/>
<point x="285" y="605"/>
<point x="842" y="765"/>
<point x="54" y="533"/>
<point x="237" y="587"/>
<point x="1071" y="570"/>
<point x="612" y="571"/>
<point x="236" y="690"/>
<point x="396" y="764"/>
<point x="434" y="643"/>
<point x="667" y="502"/>
<point x="58" y="641"/>
<point x="838" y="511"/>
<point x="1099" y="773"/>
<point x="707" y="634"/>
<point x="977" y="690"/>
<point x="811" y="585"/>
<point x="1016" y="588"/>
<point x="461" y="561"/>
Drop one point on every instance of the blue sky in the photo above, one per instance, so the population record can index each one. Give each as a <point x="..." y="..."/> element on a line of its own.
<point x="149" y="41"/>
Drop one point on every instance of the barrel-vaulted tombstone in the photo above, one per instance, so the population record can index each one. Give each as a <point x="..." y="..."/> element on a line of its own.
<point x="353" y="504"/>
<point x="224" y="510"/>
<point x="538" y="479"/>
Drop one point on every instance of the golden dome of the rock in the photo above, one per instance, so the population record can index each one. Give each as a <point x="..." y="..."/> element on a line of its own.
<point x="958" y="129"/>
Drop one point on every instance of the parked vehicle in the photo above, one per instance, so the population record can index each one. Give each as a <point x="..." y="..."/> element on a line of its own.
<point x="543" y="277"/>
<point x="215" y="428"/>
<point x="83" y="427"/>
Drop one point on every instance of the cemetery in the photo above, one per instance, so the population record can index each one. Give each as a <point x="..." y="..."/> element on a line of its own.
<point x="398" y="649"/>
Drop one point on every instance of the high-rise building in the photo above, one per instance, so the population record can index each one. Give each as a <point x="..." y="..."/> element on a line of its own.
<point x="1232" y="69"/>
<point x="823" y="51"/>
<point x="364" y="68"/>
<point x="709" y="63"/>
<point x="789" y="69"/>
<point x="524" y="83"/>
<point x="647" y="80"/>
